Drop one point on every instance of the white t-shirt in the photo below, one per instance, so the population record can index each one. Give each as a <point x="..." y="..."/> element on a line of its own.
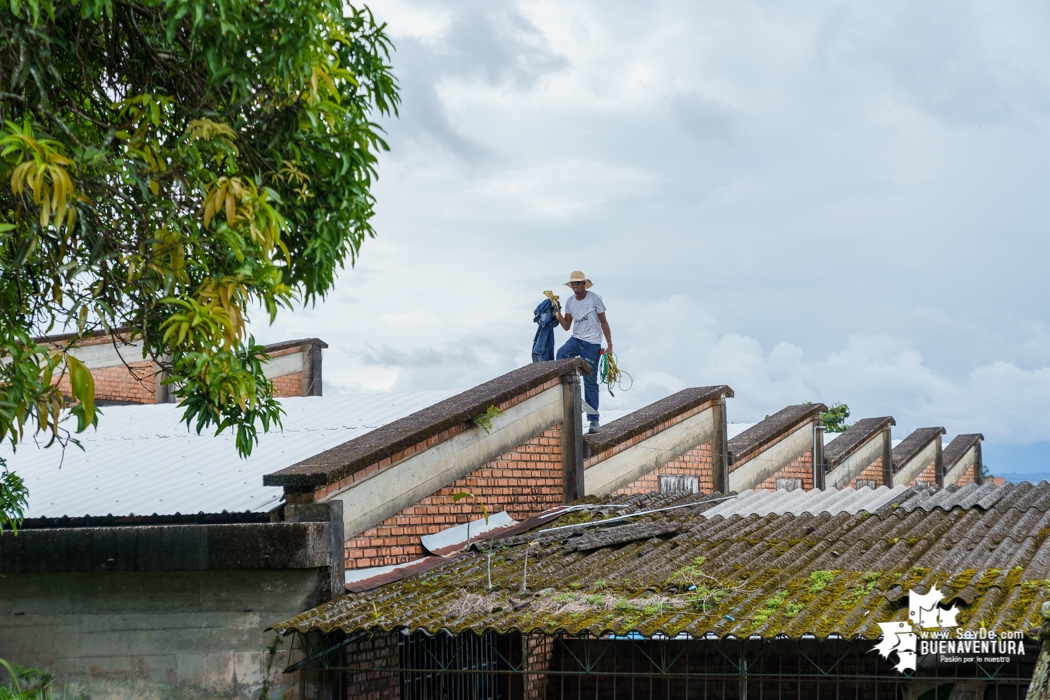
<point x="584" y="312"/>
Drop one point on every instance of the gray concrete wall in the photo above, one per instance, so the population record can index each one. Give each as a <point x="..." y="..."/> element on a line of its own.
<point x="171" y="634"/>
<point x="840" y="476"/>
<point x="917" y="464"/>
<point x="957" y="471"/>
<point x="752" y="471"/>
<point x="638" y="460"/>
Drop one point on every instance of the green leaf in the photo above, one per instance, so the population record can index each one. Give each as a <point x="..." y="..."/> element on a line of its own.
<point x="82" y="386"/>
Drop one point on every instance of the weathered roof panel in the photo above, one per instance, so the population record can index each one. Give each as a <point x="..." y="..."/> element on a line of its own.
<point x="779" y="574"/>
<point x="813" y="502"/>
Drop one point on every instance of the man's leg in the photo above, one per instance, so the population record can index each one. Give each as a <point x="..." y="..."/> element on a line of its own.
<point x="591" y="352"/>
<point x="570" y="350"/>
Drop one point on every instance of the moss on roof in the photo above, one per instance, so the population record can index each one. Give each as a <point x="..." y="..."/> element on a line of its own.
<point x="771" y="575"/>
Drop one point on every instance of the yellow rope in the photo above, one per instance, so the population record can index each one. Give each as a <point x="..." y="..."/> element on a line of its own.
<point x="610" y="374"/>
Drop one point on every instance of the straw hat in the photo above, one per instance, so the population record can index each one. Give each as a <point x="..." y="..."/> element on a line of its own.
<point x="578" y="276"/>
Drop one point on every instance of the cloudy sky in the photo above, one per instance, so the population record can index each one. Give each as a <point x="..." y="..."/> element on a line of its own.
<point x="823" y="201"/>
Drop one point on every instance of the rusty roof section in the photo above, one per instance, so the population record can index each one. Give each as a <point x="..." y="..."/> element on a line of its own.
<point x="914" y="443"/>
<point x="987" y="547"/>
<point x="654" y="414"/>
<point x="854" y="437"/>
<point x="334" y="464"/>
<point x="958" y="447"/>
<point x="780" y="423"/>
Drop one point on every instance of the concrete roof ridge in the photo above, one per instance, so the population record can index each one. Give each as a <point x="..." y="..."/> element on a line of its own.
<point x="768" y="430"/>
<point x="854" y="437"/>
<point x="333" y="464"/>
<point x="638" y="422"/>
<point x="273" y="347"/>
<point x="958" y="447"/>
<point x="914" y="443"/>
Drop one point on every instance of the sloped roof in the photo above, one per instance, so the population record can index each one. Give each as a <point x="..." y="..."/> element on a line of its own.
<point x="677" y="571"/>
<point x="764" y="432"/>
<point x="914" y="443"/>
<point x="853" y="438"/>
<point x="647" y="418"/>
<point x="958" y="447"/>
<point x="143" y="460"/>
<point x="331" y="465"/>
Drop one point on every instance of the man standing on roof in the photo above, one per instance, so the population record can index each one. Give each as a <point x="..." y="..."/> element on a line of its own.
<point x="585" y="311"/>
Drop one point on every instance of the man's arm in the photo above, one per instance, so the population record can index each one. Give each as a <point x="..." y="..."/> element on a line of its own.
<point x="565" y="320"/>
<point x="605" y="329"/>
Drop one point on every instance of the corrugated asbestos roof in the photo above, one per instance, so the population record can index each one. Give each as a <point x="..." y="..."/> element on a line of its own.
<point x="679" y="572"/>
<point x="812" y="502"/>
<point x="142" y="460"/>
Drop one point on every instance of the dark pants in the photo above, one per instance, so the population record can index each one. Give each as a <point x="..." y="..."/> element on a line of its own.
<point x="574" y="347"/>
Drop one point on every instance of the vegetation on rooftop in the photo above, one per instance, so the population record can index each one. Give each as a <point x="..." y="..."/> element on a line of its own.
<point x="484" y="420"/>
<point x="835" y="418"/>
<point x="167" y="167"/>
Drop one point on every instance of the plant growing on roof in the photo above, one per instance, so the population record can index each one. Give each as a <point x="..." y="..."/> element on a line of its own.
<point x="484" y="420"/>
<point x="835" y="418"/>
<point x="166" y="167"/>
<point x="485" y="511"/>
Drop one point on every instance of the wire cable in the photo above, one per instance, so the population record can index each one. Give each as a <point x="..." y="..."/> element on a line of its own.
<point x="610" y="374"/>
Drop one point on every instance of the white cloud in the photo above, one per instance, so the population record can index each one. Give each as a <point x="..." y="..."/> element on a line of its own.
<point x="827" y="201"/>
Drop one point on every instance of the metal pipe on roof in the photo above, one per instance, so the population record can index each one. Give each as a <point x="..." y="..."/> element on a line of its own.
<point x="818" y="455"/>
<point x="639" y="513"/>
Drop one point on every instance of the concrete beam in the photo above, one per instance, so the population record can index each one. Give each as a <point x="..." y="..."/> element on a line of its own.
<point x="283" y="365"/>
<point x="572" y="446"/>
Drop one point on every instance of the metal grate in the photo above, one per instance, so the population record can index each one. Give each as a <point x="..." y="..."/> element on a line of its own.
<point x="541" y="667"/>
<point x="447" y="667"/>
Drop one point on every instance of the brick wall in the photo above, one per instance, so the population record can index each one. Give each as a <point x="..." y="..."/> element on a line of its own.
<point x="524" y="481"/>
<point x="927" y="476"/>
<point x="968" y="477"/>
<point x="800" y="468"/>
<point x="288" y="385"/>
<point x="537" y="651"/>
<point x="119" y="383"/>
<point x="872" y="472"/>
<point x="378" y="650"/>
<point x="696" y="462"/>
<point x="138" y="384"/>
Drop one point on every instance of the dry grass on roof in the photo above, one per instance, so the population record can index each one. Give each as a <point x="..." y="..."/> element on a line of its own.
<point x="770" y="575"/>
